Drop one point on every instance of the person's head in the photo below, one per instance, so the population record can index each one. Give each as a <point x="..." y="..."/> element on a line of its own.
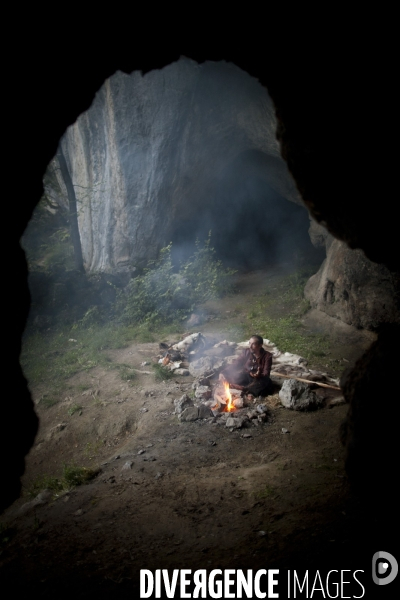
<point x="255" y="343"/>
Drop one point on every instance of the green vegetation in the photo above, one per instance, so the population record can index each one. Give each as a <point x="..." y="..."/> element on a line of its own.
<point x="162" y="296"/>
<point x="162" y="374"/>
<point x="75" y="408"/>
<point x="72" y="477"/>
<point x="126" y="372"/>
<point x="276" y="315"/>
<point x="153" y="305"/>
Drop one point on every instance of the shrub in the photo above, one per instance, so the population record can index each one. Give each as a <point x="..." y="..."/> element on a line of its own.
<point x="74" y="476"/>
<point x="160" y="295"/>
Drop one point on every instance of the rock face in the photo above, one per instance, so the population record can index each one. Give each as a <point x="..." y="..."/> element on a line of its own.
<point x="349" y="287"/>
<point x="156" y="146"/>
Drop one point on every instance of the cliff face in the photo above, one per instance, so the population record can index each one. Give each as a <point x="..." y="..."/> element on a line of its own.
<point x="350" y="287"/>
<point x="154" y="149"/>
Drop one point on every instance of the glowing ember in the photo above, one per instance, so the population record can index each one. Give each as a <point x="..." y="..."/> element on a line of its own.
<point x="229" y="405"/>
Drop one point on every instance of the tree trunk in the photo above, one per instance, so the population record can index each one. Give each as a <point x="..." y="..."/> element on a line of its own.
<point x="73" y="214"/>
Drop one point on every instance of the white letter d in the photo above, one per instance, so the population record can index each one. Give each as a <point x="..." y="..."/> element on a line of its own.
<point x="146" y="576"/>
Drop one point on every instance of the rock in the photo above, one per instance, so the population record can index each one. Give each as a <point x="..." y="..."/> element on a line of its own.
<point x="235" y="422"/>
<point x="141" y="452"/>
<point x="262" y="409"/>
<point x="204" y="412"/>
<point x="135" y="122"/>
<point x="252" y="414"/>
<point x="183" y="372"/>
<point x="183" y="403"/>
<point x="189" y="414"/>
<point x="201" y="381"/>
<point x="220" y="351"/>
<point x="202" y="367"/>
<point x="203" y="392"/>
<point x="337" y="401"/>
<point x="238" y="403"/>
<point x="78" y="512"/>
<point x="59" y="427"/>
<point x="217" y="409"/>
<point x="349" y="287"/>
<point x="284" y="430"/>
<point x="298" y="396"/>
<point x="194" y="320"/>
<point x="43" y="497"/>
<point x="127" y="466"/>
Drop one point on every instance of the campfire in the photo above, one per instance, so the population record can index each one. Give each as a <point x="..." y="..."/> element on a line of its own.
<point x="229" y="404"/>
<point x="225" y="399"/>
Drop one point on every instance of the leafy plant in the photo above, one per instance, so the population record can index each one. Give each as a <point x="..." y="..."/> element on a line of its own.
<point x="160" y="295"/>
<point x="45" y="482"/>
<point x="74" y="476"/>
<point x="161" y="373"/>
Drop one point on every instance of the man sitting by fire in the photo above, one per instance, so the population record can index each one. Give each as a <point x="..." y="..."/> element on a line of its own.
<point x="250" y="371"/>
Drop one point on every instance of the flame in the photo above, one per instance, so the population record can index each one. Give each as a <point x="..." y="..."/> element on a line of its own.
<point x="229" y="405"/>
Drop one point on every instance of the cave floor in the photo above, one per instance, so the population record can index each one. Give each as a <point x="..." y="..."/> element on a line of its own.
<point x="199" y="496"/>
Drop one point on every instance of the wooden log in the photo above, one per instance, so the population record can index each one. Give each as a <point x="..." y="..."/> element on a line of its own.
<point x="326" y="385"/>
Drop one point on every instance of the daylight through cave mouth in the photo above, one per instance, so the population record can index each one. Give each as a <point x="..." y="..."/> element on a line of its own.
<point x="171" y="155"/>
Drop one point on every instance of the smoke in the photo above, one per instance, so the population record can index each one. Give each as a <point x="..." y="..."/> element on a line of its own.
<point x="253" y="225"/>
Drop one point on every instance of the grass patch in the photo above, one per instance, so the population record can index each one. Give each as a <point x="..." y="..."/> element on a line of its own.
<point x="162" y="374"/>
<point x="72" y="476"/>
<point x="45" y="482"/>
<point x="276" y="315"/>
<point x="49" y="400"/>
<point x="92" y="449"/>
<point x="127" y="373"/>
<point x="75" y="408"/>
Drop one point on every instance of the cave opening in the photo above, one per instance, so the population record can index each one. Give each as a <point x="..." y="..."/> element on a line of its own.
<point x="46" y="566"/>
<point x="169" y="156"/>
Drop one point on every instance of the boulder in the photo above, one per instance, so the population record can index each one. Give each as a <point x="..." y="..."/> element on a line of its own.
<point x="182" y="403"/>
<point x="203" y="392"/>
<point x="202" y="367"/>
<point x="298" y="396"/>
<point x="204" y="412"/>
<point x="349" y="287"/>
<point x="189" y="414"/>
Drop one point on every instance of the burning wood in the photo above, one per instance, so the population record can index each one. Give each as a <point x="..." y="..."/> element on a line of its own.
<point x="229" y="405"/>
<point x="226" y="400"/>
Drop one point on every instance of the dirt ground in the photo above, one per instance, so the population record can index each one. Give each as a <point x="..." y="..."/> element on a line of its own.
<point x="198" y="495"/>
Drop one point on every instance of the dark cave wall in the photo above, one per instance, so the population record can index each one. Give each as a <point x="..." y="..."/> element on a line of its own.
<point x="317" y="111"/>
